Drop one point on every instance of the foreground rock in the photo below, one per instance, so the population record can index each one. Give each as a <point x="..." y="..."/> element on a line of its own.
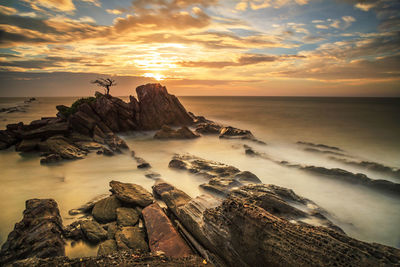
<point x="131" y="237"/>
<point x="93" y="231"/>
<point x="254" y="227"/>
<point x="105" y="210"/>
<point x="222" y="177"/>
<point x="38" y="234"/>
<point x="131" y="193"/>
<point x="167" y="132"/>
<point x="162" y="235"/>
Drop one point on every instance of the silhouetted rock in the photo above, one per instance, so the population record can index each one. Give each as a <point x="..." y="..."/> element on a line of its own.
<point x="162" y="235"/>
<point x="131" y="193"/>
<point x="7" y="139"/>
<point x="158" y="108"/>
<point x="38" y="234"/>
<point x="167" y="132"/>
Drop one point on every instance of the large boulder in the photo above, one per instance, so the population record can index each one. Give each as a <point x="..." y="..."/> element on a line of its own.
<point x="131" y="193"/>
<point x="38" y="234"/>
<point x="105" y="210"/>
<point x="167" y="132"/>
<point x="127" y="216"/>
<point x="158" y="108"/>
<point x="162" y="235"/>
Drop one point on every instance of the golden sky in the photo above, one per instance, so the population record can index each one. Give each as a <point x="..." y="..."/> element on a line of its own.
<point x="202" y="47"/>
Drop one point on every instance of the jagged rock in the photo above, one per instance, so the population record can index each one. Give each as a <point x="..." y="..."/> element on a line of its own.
<point x="131" y="193"/>
<point x="61" y="146"/>
<point x="105" y="210"/>
<point x="251" y="228"/>
<point x="131" y="237"/>
<point x="107" y="247"/>
<point x="38" y="234"/>
<point x="158" y="108"/>
<point x="50" y="158"/>
<point x="142" y="164"/>
<point x="208" y="128"/>
<point x="162" y="235"/>
<point x="47" y="131"/>
<point x="167" y="132"/>
<point x="232" y="132"/>
<point x="246" y="176"/>
<point x="319" y="146"/>
<point x="89" y="146"/>
<point x="115" y="142"/>
<point x="7" y="139"/>
<point x="127" y="216"/>
<point x="27" y="145"/>
<point x="93" y="232"/>
<point x="88" y="206"/>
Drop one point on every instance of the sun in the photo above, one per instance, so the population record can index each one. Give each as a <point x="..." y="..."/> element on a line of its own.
<point x="157" y="76"/>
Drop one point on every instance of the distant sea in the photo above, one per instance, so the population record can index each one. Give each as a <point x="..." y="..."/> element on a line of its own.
<point x="366" y="128"/>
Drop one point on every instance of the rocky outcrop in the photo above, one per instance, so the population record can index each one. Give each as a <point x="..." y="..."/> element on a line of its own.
<point x="131" y="193"/>
<point x="158" y="108"/>
<point x="258" y="226"/>
<point x="222" y="177"/>
<point x="162" y="235"/>
<point x="167" y="132"/>
<point x="38" y="234"/>
<point x="208" y="128"/>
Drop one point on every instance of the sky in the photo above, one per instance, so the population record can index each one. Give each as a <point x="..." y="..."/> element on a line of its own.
<point x="201" y="47"/>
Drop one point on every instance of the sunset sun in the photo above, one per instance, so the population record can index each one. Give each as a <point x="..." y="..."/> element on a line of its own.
<point x="157" y="76"/>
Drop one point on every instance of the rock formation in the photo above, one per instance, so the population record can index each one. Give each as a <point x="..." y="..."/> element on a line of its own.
<point x="38" y="234"/>
<point x="167" y="132"/>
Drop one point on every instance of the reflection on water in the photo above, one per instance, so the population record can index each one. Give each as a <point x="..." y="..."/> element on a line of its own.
<point x="364" y="129"/>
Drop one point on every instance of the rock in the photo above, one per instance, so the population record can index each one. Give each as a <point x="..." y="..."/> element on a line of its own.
<point x="27" y="145"/>
<point x="89" y="146"/>
<point x="319" y="146"/>
<point x="243" y="232"/>
<point x="246" y="176"/>
<point x="73" y="231"/>
<point x="111" y="230"/>
<point x="167" y="132"/>
<point x="115" y="142"/>
<point x="50" y="158"/>
<point x="38" y="234"/>
<point x="7" y="139"/>
<point x="208" y="128"/>
<point x="131" y="237"/>
<point x="93" y="232"/>
<point x="105" y="210"/>
<point x="131" y="193"/>
<point x="152" y="175"/>
<point x="127" y="216"/>
<point x="88" y="206"/>
<point x="158" y="108"/>
<point x="47" y="131"/>
<point x="162" y="235"/>
<point x="61" y="146"/>
<point x="106" y="151"/>
<point x="142" y="164"/>
<point x="174" y="198"/>
<point x="221" y="186"/>
<point x="232" y="132"/>
<point x="107" y="247"/>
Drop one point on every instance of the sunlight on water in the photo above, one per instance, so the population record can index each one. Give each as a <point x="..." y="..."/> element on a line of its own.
<point x="364" y="214"/>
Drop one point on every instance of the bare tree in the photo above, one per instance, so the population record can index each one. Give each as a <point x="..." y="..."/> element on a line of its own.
<point x="106" y="83"/>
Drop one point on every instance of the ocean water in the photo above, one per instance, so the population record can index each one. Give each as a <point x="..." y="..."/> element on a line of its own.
<point x="366" y="128"/>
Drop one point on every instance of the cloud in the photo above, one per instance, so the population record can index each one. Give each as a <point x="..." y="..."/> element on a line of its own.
<point x="7" y="10"/>
<point x="365" y="6"/>
<point x="319" y="26"/>
<point x="93" y="2"/>
<point x="56" y="5"/>
<point x="114" y="11"/>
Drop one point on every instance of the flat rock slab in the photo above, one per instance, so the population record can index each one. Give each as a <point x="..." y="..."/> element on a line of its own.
<point x="131" y="237"/>
<point x="127" y="216"/>
<point x="93" y="231"/>
<point x="162" y="235"/>
<point x="105" y="210"/>
<point x="131" y="193"/>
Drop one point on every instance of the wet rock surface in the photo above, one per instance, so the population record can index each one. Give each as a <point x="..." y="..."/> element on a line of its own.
<point x="38" y="234"/>
<point x="167" y="132"/>
<point x="162" y="235"/>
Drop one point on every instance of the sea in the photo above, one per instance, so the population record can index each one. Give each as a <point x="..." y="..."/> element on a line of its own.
<point x="368" y="129"/>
